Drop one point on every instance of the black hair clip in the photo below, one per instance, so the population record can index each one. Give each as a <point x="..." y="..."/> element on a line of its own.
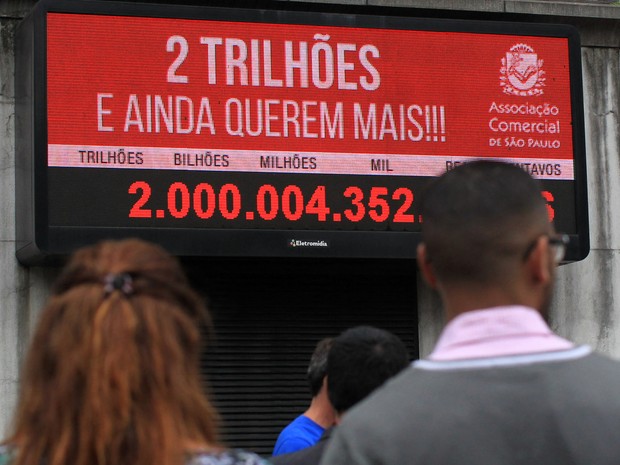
<point x="118" y="282"/>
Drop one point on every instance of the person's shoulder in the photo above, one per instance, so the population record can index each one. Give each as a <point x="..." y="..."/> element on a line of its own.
<point x="598" y="367"/>
<point x="308" y="455"/>
<point x="302" y="432"/>
<point x="599" y="357"/>
<point x="297" y="423"/>
<point x="292" y="443"/>
<point x="302" y="421"/>
<point x="226" y="457"/>
<point x="593" y="361"/>
<point x="5" y="455"/>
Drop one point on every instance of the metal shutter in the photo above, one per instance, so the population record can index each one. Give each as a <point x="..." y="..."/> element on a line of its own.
<point x="268" y="318"/>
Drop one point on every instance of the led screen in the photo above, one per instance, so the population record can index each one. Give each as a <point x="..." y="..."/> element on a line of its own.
<point x="312" y="131"/>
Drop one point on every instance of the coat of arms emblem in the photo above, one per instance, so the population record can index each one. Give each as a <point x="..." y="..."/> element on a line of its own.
<point x="521" y="71"/>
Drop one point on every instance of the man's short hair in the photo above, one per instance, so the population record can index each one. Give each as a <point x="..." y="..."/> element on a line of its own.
<point x="317" y="369"/>
<point x="479" y="218"/>
<point x="360" y="360"/>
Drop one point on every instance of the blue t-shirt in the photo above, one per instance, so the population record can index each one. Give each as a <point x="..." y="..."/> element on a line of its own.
<point x="302" y="432"/>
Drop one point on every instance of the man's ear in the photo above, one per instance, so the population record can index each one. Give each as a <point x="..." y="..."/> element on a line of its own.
<point x="539" y="262"/>
<point x="426" y="267"/>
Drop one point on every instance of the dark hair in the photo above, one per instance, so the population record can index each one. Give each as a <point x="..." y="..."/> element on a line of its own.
<point x="360" y="360"/>
<point x="111" y="376"/>
<point x="480" y="216"/>
<point x="317" y="368"/>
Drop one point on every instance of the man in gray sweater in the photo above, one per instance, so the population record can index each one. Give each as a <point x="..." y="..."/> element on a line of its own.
<point x="499" y="387"/>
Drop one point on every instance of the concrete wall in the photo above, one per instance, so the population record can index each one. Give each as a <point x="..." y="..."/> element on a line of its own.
<point x="587" y="306"/>
<point x="13" y="278"/>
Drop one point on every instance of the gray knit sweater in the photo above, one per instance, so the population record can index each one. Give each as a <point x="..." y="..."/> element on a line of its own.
<point x="555" y="408"/>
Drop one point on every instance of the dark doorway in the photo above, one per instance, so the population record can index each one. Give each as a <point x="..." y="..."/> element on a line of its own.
<point x="268" y="317"/>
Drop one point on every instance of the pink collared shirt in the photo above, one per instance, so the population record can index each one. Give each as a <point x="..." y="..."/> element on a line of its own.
<point x="494" y="332"/>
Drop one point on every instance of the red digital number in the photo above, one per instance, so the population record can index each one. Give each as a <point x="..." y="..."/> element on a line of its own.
<point x="204" y="200"/>
<point x="379" y="209"/>
<point x="356" y="195"/>
<point x="401" y="216"/>
<point x="231" y="210"/>
<point x="316" y="204"/>
<point x="176" y="188"/>
<point x="201" y="190"/>
<point x="267" y="189"/>
<point x="137" y="211"/>
<point x="292" y="191"/>
<point x="549" y="198"/>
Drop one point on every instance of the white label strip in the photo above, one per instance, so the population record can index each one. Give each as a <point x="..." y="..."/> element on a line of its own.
<point x="211" y="159"/>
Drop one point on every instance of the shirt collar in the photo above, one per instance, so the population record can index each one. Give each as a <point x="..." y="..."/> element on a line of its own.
<point x="496" y="331"/>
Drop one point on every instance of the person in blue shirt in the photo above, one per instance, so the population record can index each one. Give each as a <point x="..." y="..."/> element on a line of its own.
<point x="360" y="360"/>
<point x="306" y="430"/>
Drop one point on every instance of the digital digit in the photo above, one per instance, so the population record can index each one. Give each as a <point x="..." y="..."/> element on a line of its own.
<point x="548" y="196"/>
<point x="292" y="191"/>
<point x="183" y="50"/>
<point x="356" y="195"/>
<point x="267" y="189"/>
<point x="230" y="212"/>
<point x="200" y="200"/>
<point x="379" y="209"/>
<point x="316" y="204"/>
<point x="401" y="216"/>
<point x="178" y="187"/>
<point x="137" y="211"/>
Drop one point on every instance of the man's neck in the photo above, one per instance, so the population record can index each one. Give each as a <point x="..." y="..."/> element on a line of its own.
<point x="461" y="300"/>
<point x="321" y="410"/>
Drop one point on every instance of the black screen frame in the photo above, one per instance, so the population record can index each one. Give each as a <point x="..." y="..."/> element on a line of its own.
<point x="38" y="241"/>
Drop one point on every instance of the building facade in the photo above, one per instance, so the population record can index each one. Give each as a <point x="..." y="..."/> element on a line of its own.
<point x="586" y="307"/>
